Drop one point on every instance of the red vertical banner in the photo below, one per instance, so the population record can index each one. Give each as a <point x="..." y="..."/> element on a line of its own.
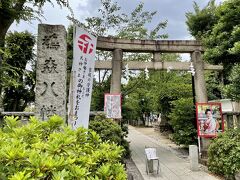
<point x="209" y="119"/>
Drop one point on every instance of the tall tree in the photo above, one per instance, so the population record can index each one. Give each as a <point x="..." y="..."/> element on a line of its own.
<point x="156" y="93"/>
<point x="134" y="26"/>
<point x="232" y="90"/>
<point x="20" y="46"/>
<point x="111" y="21"/>
<point x="16" y="10"/>
<point x="223" y="41"/>
<point x="218" y="27"/>
<point x="201" y="21"/>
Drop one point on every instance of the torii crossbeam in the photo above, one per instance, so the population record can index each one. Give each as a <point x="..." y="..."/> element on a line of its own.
<point x="118" y="46"/>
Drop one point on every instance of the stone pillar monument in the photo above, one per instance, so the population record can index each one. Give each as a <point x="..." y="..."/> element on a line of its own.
<point x="193" y="157"/>
<point x="51" y="71"/>
<point x="199" y="81"/>
<point x="116" y="71"/>
<point x="200" y="91"/>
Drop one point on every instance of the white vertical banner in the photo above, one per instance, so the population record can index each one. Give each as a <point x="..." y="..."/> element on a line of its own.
<point x="84" y="49"/>
<point x="112" y="106"/>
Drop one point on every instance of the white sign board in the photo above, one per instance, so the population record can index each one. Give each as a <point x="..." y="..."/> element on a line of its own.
<point x="151" y="153"/>
<point x="84" y="48"/>
<point x="112" y="106"/>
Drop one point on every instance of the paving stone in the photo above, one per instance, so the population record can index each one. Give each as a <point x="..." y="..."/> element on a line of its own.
<point x="173" y="165"/>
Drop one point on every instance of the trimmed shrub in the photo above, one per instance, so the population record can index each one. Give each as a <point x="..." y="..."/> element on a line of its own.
<point x="182" y="120"/>
<point x="50" y="150"/>
<point x="110" y="131"/>
<point x="224" y="154"/>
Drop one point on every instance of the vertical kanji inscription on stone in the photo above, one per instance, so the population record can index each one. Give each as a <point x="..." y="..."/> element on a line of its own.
<point x="51" y="71"/>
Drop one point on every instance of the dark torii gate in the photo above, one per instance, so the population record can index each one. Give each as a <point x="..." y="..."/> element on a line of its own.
<point x="118" y="46"/>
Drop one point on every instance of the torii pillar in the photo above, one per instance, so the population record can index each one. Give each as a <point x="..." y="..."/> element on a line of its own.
<point x="200" y="90"/>
<point x="199" y="81"/>
<point x="116" y="71"/>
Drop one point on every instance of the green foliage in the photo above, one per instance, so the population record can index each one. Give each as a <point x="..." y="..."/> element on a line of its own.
<point x="232" y="89"/>
<point x="97" y="102"/>
<point x="182" y="120"/>
<point x="111" y="21"/>
<point x="108" y="19"/>
<point x="202" y="20"/>
<point x="224" y="34"/>
<point x="5" y="80"/>
<point x="135" y="25"/>
<point x="218" y="28"/>
<point x="24" y="9"/>
<point x="157" y="92"/>
<point x="20" y="47"/>
<point x="224" y="154"/>
<point x="110" y="131"/>
<point x="50" y="150"/>
<point x="16" y="10"/>
<point x="214" y="85"/>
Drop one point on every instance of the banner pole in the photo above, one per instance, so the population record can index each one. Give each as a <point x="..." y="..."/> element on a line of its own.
<point x="199" y="147"/>
<point x="71" y="90"/>
<point x="72" y="103"/>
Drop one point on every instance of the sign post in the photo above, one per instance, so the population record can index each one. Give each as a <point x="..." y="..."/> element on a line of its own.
<point x="209" y="119"/>
<point x="112" y="106"/>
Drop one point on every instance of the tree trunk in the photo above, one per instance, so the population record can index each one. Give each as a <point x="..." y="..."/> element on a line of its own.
<point x="15" y="105"/>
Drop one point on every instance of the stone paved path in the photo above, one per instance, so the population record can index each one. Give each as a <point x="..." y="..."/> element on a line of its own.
<point x="172" y="166"/>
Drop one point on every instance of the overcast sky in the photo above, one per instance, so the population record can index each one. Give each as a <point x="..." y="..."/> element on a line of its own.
<point x="171" y="10"/>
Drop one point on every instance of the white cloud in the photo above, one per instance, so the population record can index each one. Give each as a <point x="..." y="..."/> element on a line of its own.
<point x="83" y="3"/>
<point x="171" y="10"/>
<point x="53" y="14"/>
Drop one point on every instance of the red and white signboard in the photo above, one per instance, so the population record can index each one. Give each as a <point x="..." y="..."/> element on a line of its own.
<point x="84" y="48"/>
<point x="112" y="106"/>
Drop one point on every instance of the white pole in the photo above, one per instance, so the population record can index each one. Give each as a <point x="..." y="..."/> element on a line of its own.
<point x="199" y="147"/>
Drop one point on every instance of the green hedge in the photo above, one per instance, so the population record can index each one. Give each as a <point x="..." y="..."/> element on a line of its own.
<point x="111" y="131"/>
<point x="50" y="150"/>
<point x="182" y="120"/>
<point x="224" y="154"/>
